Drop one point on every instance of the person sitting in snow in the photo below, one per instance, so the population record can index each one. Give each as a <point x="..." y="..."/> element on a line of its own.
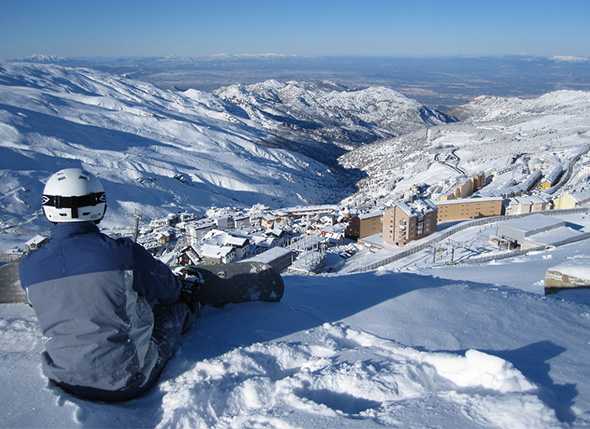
<point x="112" y="313"/>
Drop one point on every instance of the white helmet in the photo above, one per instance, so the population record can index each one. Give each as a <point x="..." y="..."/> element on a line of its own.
<point x="73" y="195"/>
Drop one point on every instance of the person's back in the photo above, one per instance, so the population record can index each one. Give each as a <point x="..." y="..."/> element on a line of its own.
<point x="81" y="285"/>
<point x="98" y="299"/>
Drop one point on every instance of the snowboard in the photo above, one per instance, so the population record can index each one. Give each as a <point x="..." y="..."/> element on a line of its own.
<point x="236" y="282"/>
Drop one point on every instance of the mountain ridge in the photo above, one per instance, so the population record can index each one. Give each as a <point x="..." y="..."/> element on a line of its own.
<point x="359" y="115"/>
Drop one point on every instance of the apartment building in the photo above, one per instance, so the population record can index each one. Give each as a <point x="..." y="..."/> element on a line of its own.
<point x="468" y="208"/>
<point x="364" y="225"/>
<point x="408" y="221"/>
<point x="479" y="181"/>
<point x="528" y="204"/>
<point x="551" y="178"/>
<point x="465" y="187"/>
<point x="572" y="200"/>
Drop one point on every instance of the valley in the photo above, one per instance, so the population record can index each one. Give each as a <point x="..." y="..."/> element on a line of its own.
<point x="160" y="151"/>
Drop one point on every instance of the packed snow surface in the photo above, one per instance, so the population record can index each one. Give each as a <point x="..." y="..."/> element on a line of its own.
<point x="365" y="350"/>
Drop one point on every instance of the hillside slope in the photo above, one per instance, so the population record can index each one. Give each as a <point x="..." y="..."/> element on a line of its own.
<point x="494" y="134"/>
<point x="330" y="112"/>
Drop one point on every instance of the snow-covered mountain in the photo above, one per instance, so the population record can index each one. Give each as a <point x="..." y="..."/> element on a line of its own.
<point x="43" y="58"/>
<point x="155" y="150"/>
<point x="494" y="133"/>
<point x="159" y="150"/>
<point x="331" y="112"/>
<point x="487" y="108"/>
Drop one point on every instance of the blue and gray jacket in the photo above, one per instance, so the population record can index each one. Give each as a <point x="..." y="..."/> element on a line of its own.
<point x="93" y="296"/>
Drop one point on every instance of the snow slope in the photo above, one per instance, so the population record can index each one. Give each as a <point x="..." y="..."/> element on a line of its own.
<point x="364" y="350"/>
<point x="155" y="150"/>
<point x="486" y="108"/>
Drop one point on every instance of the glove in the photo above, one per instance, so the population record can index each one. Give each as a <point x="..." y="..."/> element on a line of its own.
<point x="191" y="281"/>
<point x="189" y="294"/>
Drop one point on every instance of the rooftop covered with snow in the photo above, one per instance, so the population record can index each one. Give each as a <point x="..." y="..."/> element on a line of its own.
<point x="417" y="207"/>
<point x="474" y="200"/>
<point x="529" y="225"/>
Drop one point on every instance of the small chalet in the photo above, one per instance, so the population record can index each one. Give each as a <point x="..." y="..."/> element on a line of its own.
<point x="214" y="254"/>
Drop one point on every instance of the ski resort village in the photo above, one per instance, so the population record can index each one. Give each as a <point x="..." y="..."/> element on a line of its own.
<point x="436" y="262"/>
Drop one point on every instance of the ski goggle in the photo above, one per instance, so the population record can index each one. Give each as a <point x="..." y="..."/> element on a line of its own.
<point x="60" y="202"/>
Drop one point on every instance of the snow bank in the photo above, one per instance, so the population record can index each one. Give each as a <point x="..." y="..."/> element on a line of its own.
<point x="479" y="369"/>
<point x="579" y="268"/>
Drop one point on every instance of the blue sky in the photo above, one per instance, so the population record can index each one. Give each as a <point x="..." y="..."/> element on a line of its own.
<point x="302" y="27"/>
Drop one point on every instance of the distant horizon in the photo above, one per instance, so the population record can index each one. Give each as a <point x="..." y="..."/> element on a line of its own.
<point x="184" y="28"/>
<point x="441" y="81"/>
<point x="278" y="55"/>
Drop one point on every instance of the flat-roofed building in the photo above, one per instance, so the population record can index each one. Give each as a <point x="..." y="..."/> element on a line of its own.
<point x="572" y="200"/>
<point x="540" y="202"/>
<point x="408" y="221"/>
<point x="242" y="221"/>
<point x="224" y="222"/>
<point x="364" y="225"/>
<point x="279" y="258"/>
<point x="479" y="181"/>
<point x="527" y="204"/>
<point x="538" y="230"/>
<point x="468" y="208"/>
<point x="267" y="221"/>
<point x="465" y="187"/>
<point x="304" y="211"/>
<point x="198" y="229"/>
<point x="520" y="228"/>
